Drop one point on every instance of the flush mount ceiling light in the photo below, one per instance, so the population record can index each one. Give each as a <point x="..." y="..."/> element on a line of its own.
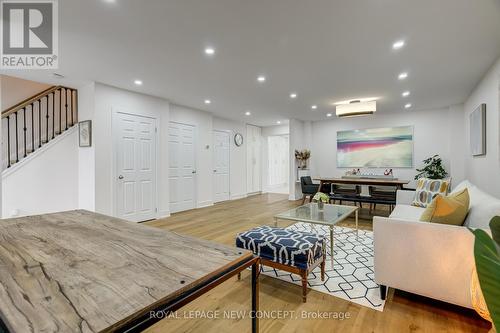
<point x="314" y="107"/>
<point x="407" y="106"/>
<point x="356" y="108"/>
<point x="399" y="44"/>
<point x="403" y="76"/>
<point x="328" y="115"/>
<point x="405" y="94"/>
<point x="293" y="95"/>
<point x="261" y="78"/>
<point x="209" y="51"/>
<point x="138" y="82"/>
<point x="248" y="113"/>
<point x="207" y="101"/>
<point x="278" y="122"/>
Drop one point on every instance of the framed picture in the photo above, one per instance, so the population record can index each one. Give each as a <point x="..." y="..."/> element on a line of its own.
<point x="478" y="131"/>
<point x="389" y="147"/>
<point x="85" y="133"/>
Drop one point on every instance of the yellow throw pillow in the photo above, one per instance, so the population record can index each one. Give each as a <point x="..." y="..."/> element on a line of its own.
<point x="450" y="209"/>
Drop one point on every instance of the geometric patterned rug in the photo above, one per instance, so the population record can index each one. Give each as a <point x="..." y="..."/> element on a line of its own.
<point x="352" y="275"/>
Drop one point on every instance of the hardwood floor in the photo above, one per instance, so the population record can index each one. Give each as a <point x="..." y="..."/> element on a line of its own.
<point x="403" y="312"/>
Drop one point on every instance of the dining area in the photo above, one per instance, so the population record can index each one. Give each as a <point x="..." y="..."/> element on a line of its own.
<point x="358" y="190"/>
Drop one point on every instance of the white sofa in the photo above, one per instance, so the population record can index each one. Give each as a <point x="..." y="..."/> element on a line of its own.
<point x="429" y="259"/>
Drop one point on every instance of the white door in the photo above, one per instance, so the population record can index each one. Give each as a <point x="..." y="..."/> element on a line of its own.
<point x="135" y="162"/>
<point x="253" y="159"/>
<point x="182" y="166"/>
<point x="221" y="166"/>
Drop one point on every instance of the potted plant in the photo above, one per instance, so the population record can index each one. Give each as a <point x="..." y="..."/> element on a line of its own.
<point x="433" y="169"/>
<point x="321" y="199"/>
<point x="487" y="258"/>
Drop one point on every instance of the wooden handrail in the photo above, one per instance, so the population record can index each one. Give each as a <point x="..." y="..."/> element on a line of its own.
<point x="28" y="101"/>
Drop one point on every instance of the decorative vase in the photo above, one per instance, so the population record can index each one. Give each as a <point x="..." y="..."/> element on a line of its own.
<point x="321" y="205"/>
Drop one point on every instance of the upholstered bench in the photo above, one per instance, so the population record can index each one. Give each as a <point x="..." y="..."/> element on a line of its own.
<point x="292" y="251"/>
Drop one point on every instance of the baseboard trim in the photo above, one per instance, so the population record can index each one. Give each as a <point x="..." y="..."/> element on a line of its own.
<point x="238" y="196"/>
<point x="203" y="204"/>
<point x="163" y="214"/>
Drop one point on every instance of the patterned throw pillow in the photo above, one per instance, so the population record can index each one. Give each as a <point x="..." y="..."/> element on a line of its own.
<point x="427" y="189"/>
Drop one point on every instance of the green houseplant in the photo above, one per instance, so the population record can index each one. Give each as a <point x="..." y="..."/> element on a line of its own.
<point x="321" y="199"/>
<point x="487" y="258"/>
<point x="433" y="169"/>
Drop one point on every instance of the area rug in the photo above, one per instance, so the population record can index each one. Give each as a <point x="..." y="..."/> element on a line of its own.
<point x="352" y="276"/>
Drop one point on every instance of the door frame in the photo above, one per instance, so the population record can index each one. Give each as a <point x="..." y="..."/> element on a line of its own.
<point x="230" y="133"/>
<point x="195" y="151"/>
<point x="115" y="111"/>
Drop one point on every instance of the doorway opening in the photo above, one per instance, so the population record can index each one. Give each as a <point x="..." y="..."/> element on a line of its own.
<point x="278" y="164"/>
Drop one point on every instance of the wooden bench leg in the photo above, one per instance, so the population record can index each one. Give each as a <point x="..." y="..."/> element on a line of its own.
<point x="323" y="269"/>
<point x="304" y="285"/>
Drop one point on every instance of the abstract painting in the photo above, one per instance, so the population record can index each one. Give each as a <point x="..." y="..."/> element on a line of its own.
<point x="390" y="147"/>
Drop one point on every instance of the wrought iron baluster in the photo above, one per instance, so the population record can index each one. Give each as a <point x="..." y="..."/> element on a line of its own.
<point x="32" y="127"/>
<point x="8" y="141"/>
<point x="53" y="115"/>
<point x="39" y="123"/>
<point x="60" y="111"/>
<point x="24" y="129"/>
<point x="66" y="106"/>
<point x="47" y="119"/>
<point x="17" y="139"/>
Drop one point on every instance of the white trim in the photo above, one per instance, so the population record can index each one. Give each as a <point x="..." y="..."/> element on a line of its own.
<point x="238" y="196"/>
<point x="114" y="114"/>
<point x="203" y="204"/>
<point x="38" y="152"/>
<point x="163" y="214"/>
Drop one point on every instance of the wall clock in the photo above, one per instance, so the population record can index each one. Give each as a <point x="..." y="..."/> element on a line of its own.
<point x="238" y="139"/>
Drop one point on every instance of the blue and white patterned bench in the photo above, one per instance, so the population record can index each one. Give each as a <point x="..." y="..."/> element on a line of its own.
<point x="292" y="251"/>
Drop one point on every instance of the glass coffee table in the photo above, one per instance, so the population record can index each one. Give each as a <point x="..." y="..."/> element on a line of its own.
<point x="329" y="216"/>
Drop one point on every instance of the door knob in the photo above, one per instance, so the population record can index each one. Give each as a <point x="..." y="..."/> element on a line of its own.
<point x="194" y="171"/>
<point x="215" y="170"/>
<point x="120" y="177"/>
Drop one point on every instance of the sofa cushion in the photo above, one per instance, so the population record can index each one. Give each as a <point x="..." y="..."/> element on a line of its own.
<point x="451" y="209"/>
<point x="288" y="247"/>
<point x="427" y="189"/>
<point x="483" y="207"/>
<point x="407" y="212"/>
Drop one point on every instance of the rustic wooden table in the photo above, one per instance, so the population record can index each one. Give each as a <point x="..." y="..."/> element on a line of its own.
<point x="79" y="271"/>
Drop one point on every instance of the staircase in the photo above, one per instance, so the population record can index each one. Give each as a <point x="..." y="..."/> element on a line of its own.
<point x="36" y="121"/>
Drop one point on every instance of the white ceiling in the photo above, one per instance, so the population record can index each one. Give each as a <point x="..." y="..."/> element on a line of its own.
<point x="325" y="51"/>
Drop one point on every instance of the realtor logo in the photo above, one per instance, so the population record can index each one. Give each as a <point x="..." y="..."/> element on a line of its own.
<point x="29" y="36"/>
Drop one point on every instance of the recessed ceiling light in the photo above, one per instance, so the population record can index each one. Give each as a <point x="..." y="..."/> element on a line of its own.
<point x="328" y="114"/>
<point x="207" y="101"/>
<point x="407" y="106"/>
<point x="278" y="122"/>
<point x="248" y="113"/>
<point x="293" y="95"/>
<point x="138" y="82"/>
<point x="405" y="94"/>
<point x="209" y="51"/>
<point x="398" y="44"/>
<point x="261" y="78"/>
<point x="314" y="107"/>
<point x="403" y="76"/>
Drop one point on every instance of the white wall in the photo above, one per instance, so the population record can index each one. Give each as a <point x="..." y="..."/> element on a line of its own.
<point x="15" y="90"/>
<point x="435" y="132"/>
<point x="44" y="182"/>
<point x="107" y="100"/>
<point x="86" y="155"/>
<point x="300" y="138"/>
<point x="484" y="171"/>
<point x="237" y="156"/>
<point x="204" y="153"/>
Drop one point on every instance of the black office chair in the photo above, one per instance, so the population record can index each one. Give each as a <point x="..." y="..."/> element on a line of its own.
<point x="308" y="188"/>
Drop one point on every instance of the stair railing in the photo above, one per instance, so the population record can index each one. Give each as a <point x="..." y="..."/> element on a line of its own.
<point x="37" y="120"/>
